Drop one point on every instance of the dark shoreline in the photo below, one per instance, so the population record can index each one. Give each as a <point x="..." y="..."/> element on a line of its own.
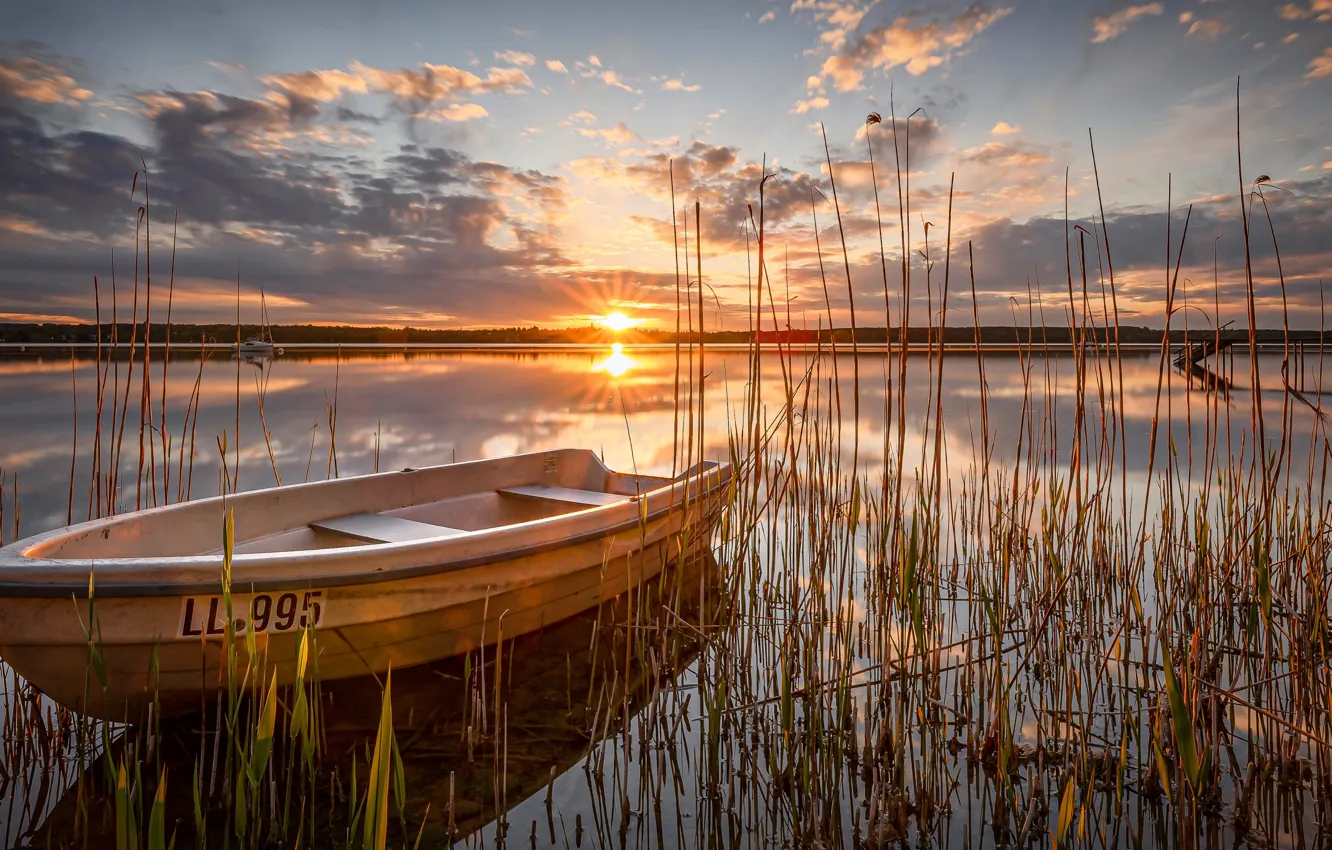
<point x="295" y="336"/>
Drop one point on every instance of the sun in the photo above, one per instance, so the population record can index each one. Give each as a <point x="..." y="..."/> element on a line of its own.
<point x="618" y="321"/>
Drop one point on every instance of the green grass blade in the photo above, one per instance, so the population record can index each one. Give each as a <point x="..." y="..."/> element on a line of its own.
<point x="1182" y="720"/>
<point x="263" y="741"/>
<point x="157" y="817"/>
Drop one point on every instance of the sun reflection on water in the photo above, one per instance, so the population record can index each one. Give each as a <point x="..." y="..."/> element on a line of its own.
<point x="617" y="364"/>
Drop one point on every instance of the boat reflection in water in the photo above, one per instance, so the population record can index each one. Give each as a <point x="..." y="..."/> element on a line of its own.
<point x="477" y="735"/>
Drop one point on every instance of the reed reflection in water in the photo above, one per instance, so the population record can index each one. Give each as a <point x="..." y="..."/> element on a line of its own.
<point x="735" y="740"/>
<point x="392" y="410"/>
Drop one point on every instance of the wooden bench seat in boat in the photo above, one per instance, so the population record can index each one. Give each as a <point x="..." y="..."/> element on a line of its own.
<point x="563" y="494"/>
<point x="382" y="528"/>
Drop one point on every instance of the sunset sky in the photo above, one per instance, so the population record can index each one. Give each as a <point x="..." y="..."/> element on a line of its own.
<point x="501" y="163"/>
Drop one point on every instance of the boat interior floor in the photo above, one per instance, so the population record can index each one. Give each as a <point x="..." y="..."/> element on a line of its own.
<point x="435" y="520"/>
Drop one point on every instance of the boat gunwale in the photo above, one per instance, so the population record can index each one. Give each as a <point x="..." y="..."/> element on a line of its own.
<point x="12" y="557"/>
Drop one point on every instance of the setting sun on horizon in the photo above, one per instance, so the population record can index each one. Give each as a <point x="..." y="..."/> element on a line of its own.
<point x="618" y="322"/>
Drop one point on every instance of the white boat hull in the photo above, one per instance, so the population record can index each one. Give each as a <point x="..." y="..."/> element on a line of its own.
<point x="159" y="625"/>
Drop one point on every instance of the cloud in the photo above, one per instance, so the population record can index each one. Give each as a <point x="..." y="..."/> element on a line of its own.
<point x="431" y="83"/>
<point x="557" y="66"/>
<point x="1320" y="66"/>
<point x="679" y="85"/>
<point x="593" y="70"/>
<point x="226" y="67"/>
<point x="1107" y="27"/>
<point x="613" y="79"/>
<point x="435" y="229"/>
<point x="1185" y="17"/>
<point x="924" y="135"/>
<point x="62" y="182"/>
<point x="619" y="135"/>
<point x="456" y="112"/>
<point x="713" y="175"/>
<point x="318" y="85"/>
<point x="803" y="106"/>
<point x="917" y="47"/>
<point x="515" y="57"/>
<point x="767" y="16"/>
<point x="582" y="116"/>
<point x="1207" y="29"/>
<point x="839" y="17"/>
<point x="1319" y="9"/>
<point x="1291" y="39"/>
<point x="32" y="79"/>
<point x="1008" y="252"/>
<point x="423" y="92"/>
<point x="1003" y="128"/>
<point x="1003" y="156"/>
<point x="348" y="115"/>
<point x="186" y="121"/>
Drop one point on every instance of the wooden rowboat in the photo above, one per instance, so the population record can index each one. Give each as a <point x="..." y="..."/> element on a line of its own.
<point x="395" y="569"/>
<point x="556" y="684"/>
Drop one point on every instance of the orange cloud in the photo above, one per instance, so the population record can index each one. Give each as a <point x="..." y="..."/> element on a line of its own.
<point x="1207" y="29"/>
<point x="33" y="79"/>
<point x="43" y="318"/>
<point x="582" y="116"/>
<point x="1003" y="156"/>
<point x="1319" y="9"/>
<point x="318" y="85"/>
<point x="619" y="135"/>
<point x="679" y="85"/>
<point x="202" y="292"/>
<point x="592" y="69"/>
<point x="516" y="57"/>
<point x="1112" y="26"/>
<point x="917" y="48"/>
<point x="1003" y="128"/>
<point x="803" y="106"/>
<point x="456" y="112"/>
<point x="439" y="82"/>
<point x="840" y="18"/>
<point x="18" y="225"/>
<point x="1320" y="66"/>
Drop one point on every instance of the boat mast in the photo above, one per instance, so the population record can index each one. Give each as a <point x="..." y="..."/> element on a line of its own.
<point x="265" y="335"/>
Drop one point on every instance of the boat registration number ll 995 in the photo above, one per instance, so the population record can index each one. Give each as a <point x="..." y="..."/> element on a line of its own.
<point x="268" y="613"/>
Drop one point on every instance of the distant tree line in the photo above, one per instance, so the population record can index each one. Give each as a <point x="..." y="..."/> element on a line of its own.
<point x="17" y="332"/>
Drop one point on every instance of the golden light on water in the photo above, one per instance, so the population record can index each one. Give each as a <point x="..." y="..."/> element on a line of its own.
<point x="617" y="364"/>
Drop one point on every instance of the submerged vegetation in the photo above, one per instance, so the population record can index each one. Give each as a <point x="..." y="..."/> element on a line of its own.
<point x="899" y="640"/>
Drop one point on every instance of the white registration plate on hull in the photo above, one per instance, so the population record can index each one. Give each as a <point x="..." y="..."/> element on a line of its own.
<point x="261" y="613"/>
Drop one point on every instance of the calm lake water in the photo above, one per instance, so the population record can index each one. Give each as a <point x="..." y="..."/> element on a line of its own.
<point x="412" y="409"/>
<point x="325" y="413"/>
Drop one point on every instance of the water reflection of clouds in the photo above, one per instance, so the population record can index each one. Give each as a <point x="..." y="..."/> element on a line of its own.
<point x="44" y="366"/>
<point x="425" y="408"/>
<point x="26" y="459"/>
